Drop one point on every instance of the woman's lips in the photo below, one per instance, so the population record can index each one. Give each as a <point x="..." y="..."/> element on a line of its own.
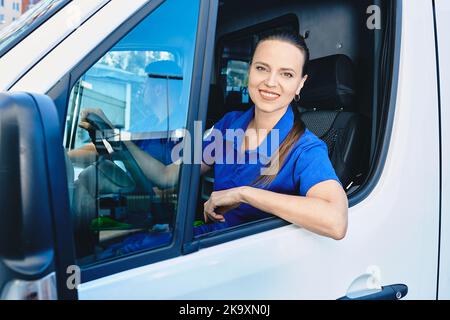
<point x="269" y="96"/>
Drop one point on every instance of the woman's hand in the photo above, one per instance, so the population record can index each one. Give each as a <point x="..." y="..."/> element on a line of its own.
<point x="220" y="202"/>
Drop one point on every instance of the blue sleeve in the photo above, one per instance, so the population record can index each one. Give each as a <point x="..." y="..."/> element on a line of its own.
<point x="314" y="166"/>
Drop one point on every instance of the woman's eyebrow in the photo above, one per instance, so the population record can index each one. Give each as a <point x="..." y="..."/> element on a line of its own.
<point x="284" y="69"/>
<point x="288" y="69"/>
<point x="263" y="63"/>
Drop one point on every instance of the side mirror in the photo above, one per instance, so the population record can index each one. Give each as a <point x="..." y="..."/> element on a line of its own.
<point x="33" y="196"/>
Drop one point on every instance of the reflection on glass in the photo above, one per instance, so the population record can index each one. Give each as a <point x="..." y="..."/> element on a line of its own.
<point x="141" y="89"/>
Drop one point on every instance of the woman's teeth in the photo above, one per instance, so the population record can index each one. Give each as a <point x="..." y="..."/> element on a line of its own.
<point x="269" y="95"/>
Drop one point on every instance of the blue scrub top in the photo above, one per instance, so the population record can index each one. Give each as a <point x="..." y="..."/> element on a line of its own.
<point x="306" y="164"/>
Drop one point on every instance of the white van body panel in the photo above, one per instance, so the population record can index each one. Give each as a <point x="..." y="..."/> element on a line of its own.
<point x="30" y="50"/>
<point x="73" y="49"/>
<point x="394" y="231"/>
<point x="443" y="27"/>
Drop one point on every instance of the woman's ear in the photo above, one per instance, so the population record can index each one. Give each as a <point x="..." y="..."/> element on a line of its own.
<point x="302" y="83"/>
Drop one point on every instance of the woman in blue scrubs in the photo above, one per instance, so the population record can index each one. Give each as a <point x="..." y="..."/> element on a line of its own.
<point x="298" y="185"/>
<point x="304" y="188"/>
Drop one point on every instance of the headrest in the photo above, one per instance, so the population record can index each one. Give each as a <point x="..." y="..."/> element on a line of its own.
<point x="330" y="84"/>
<point x="164" y="69"/>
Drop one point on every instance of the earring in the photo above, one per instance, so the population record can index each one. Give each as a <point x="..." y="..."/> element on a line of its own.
<point x="297" y="98"/>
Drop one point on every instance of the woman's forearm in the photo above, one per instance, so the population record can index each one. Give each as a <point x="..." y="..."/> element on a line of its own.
<point x="163" y="176"/>
<point x="160" y="174"/>
<point x="315" y="214"/>
<point x="84" y="155"/>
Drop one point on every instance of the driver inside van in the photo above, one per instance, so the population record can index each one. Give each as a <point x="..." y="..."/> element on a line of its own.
<point x="299" y="183"/>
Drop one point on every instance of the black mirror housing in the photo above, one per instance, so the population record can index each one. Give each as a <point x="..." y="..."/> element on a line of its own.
<point x="31" y="155"/>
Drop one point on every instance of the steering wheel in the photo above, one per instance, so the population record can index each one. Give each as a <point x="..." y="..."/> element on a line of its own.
<point x="97" y="134"/>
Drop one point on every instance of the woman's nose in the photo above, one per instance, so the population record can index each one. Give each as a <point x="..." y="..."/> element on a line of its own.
<point x="271" y="81"/>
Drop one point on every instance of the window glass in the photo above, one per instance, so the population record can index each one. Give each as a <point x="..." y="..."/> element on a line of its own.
<point x="125" y="185"/>
<point x="30" y="20"/>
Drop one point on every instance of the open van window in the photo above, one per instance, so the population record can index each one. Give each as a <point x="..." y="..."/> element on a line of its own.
<point x="340" y="99"/>
<point x="29" y="21"/>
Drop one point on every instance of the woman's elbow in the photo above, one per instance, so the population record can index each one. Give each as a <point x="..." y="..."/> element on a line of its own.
<point x="339" y="233"/>
<point x="340" y="225"/>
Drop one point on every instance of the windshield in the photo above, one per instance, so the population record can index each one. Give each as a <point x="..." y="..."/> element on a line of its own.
<point x="30" y="20"/>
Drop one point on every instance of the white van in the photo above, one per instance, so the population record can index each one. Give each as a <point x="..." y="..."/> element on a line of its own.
<point x="378" y="94"/>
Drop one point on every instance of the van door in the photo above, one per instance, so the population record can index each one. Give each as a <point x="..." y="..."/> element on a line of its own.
<point x="442" y="33"/>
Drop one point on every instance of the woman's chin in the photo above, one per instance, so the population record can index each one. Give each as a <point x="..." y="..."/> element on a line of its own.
<point x="269" y="107"/>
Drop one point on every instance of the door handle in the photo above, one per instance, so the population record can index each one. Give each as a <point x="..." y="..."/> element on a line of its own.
<point x="392" y="292"/>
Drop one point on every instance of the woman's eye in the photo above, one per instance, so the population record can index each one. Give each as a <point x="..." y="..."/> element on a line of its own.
<point x="259" y="68"/>
<point x="287" y="75"/>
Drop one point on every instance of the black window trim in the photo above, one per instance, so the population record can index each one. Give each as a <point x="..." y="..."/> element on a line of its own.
<point x="215" y="238"/>
<point x="60" y="94"/>
<point x="384" y="135"/>
<point x="439" y="95"/>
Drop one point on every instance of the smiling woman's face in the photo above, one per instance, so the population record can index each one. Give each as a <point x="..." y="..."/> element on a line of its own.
<point x="275" y="75"/>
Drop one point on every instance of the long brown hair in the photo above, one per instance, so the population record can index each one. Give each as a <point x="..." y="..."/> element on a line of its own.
<point x="298" y="128"/>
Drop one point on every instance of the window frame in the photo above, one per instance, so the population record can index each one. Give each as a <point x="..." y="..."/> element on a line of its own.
<point x="60" y="93"/>
<point x="386" y="101"/>
<point x="376" y="167"/>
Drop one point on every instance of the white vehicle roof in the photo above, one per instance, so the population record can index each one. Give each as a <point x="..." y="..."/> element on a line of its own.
<point x="28" y="51"/>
